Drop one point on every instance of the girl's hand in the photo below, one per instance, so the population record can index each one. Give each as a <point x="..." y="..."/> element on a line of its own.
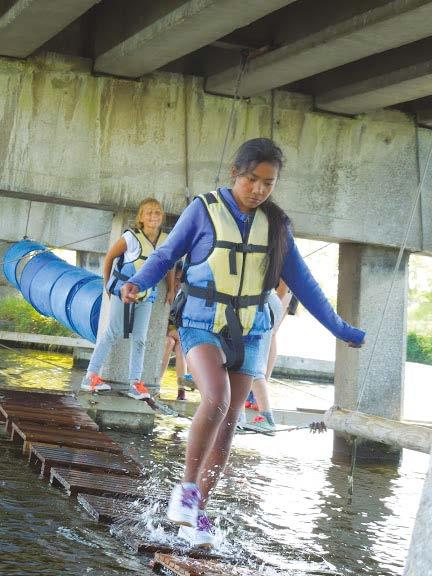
<point x="170" y="296"/>
<point x="129" y="293"/>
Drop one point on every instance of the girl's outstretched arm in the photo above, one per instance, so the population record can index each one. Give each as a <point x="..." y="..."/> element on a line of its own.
<point x="299" y="279"/>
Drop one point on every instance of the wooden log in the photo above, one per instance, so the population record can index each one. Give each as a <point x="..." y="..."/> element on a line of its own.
<point x="419" y="562"/>
<point x="378" y="429"/>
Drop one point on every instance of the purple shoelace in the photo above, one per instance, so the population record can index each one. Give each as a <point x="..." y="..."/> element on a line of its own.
<point x="190" y="497"/>
<point x="204" y="524"/>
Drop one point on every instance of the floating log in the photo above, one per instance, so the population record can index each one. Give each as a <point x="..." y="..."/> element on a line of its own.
<point x="419" y="562"/>
<point x="378" y="429"/>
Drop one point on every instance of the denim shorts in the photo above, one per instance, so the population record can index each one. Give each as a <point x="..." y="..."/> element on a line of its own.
<point x="191" y="337"/>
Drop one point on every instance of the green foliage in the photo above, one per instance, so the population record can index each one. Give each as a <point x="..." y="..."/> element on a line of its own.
<point x="419" y="348"/>
<point x="18" y="316"/>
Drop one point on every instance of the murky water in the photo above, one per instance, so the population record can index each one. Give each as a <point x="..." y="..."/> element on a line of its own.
<point x="281" y="500"/>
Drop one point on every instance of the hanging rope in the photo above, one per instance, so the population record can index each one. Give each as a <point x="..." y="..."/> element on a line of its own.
<point x="383" y="314"/>
<point x="25" y="237"/>
<point x="242" y="68"/>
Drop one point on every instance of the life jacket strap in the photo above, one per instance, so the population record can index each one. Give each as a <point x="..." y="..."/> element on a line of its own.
<point x="128" y="319"/>
<point x="211" y="295"/>
<point x="231" y="338"/>
<point x="241" y="247"/>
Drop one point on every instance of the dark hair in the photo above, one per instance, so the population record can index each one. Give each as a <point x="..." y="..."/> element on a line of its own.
<point x="248" y="156"/>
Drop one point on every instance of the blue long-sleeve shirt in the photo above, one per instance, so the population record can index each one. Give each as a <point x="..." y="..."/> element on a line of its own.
<point x="193" y="235"/>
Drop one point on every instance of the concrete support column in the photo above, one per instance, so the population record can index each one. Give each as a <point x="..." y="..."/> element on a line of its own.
<point x="91" y="261"/>
<point x="365" y="275"/>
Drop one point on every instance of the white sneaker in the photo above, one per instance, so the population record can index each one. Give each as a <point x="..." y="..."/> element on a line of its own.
<point x="94" y="383"/>
<point x="183" y="505"/>
<point x="138" y="391"/>
<point x="202" y="536"/>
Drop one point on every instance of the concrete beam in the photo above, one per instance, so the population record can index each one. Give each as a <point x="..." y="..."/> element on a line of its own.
<point x="55" y="225"/>
<point x="27" y="24"/>
<point x="363" y="33"/>
<point x="388" y="89"/>
<point x="163" y="38"/>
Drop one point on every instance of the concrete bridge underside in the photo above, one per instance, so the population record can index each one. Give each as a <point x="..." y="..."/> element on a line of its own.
<point x="103" y="105"/>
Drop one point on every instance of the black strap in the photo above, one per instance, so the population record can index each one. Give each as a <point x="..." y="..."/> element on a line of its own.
<point x="210" y="295"/>
<point x="231" y="338"/>
<point x="128" y="319"/>
<point x="211" y="198"/>
<point x="241" y="247"/>
<point x="120" y="276"/>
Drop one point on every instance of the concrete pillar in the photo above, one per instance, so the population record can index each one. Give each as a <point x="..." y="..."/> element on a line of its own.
<point x="365" y="275"/>
<point x="116" y="366"/>
<point x="155" y="342"/>
<point x="91" y="261"/>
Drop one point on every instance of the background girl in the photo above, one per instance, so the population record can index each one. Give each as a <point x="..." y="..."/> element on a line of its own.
<point x="131" y="251"/>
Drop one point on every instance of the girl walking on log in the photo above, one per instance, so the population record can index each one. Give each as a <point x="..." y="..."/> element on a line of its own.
<point x="238" y="244"/>
<point x="131" y="251"/>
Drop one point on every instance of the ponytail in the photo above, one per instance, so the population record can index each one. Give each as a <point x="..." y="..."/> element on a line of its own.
<point x="277" y="242"/>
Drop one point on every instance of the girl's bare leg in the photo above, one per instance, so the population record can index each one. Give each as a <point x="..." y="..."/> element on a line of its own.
<point x="169" y="347"/>
<point x="206" y="365"/>
<point x="218" y="452"/>
<point x="180" y="360"/>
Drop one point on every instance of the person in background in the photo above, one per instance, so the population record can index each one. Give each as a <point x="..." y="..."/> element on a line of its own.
<point x="238" y="244"/>
<point x="173" y="344"/>
<point x="130" y="252"/>
<point x="258" y="398"/>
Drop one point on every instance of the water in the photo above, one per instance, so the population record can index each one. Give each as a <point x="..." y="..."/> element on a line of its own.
<point x="281" y="500"/>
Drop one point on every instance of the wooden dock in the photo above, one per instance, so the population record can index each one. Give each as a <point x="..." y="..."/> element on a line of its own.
<point x="65" y="447"/>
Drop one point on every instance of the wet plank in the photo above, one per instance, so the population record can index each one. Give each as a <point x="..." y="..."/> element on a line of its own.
<point x="181" y="566"/>
<point x="29" y="398"/>
<point x="142" y="545"/>
<point x="25" y="433"/>
<point x="67" y="419"/>
<point x="74" y="481"/>
<point x="44" y="457"/>
<point x="108" y="510"/>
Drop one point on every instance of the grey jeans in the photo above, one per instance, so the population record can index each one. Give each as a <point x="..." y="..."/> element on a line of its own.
<point x="115" y="331"/>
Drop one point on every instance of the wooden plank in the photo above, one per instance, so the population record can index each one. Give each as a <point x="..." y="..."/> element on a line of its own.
<point x="141" y="545"/>
<point x="379" y="429"/>
<point x="181" y="566"/>
<point x="108" y="510"/>
<point x="43" y="458"/>
<point x="27" y="396"/>
<point x="25" y="434"/>
<point x="74" y="481"/>
<point x="73" y="420"/>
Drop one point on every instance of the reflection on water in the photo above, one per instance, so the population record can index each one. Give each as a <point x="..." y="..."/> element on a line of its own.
<point x="281" y="500"/>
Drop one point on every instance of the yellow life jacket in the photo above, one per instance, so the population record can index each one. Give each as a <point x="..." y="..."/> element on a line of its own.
<point x="124" y="270"/>
<point x="231" y="279"/>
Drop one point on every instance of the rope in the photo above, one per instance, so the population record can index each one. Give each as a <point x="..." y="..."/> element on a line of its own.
<point x="28" y="220"/>
<point x="242" y="68"/>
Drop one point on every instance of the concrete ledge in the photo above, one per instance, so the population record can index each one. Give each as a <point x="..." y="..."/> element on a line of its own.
<point x="304" y="368"/>
<point x="66" y="341"/>
<point x="116" y="412"/>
